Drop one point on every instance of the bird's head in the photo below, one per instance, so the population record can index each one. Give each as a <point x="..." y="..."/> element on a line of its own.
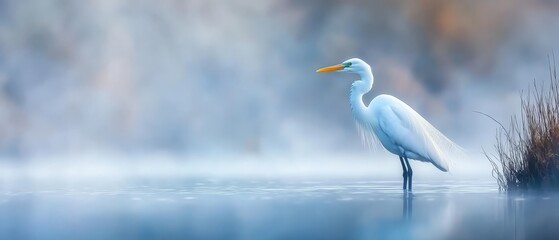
<point x="354" y="65"/>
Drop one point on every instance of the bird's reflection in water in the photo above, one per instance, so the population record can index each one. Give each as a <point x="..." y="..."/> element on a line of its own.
<point x="407" y="206"/>
<point x="392" y="225"/>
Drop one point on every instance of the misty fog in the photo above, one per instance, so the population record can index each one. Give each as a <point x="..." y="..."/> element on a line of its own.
<point x="212" y="78"/>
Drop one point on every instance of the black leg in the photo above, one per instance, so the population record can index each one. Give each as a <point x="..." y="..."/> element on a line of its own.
<point x="410" y="173"/>
<point x="405" y="172"/>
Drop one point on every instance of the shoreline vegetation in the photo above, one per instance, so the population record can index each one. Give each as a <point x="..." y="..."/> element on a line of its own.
<point x="527" y="152"/>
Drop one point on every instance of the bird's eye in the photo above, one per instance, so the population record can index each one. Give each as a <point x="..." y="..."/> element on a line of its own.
<point x="347" y="64"/>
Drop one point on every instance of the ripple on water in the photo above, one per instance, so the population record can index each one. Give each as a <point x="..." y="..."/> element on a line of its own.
<point x="276" y="189"/>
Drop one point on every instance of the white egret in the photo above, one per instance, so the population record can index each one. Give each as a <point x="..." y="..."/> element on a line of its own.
<point x="400" y="129"/>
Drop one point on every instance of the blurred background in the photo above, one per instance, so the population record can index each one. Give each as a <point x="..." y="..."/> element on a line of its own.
<point x="218" y="82"/>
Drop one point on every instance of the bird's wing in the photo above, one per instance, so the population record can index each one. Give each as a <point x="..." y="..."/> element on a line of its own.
<point x="407" y="129"/>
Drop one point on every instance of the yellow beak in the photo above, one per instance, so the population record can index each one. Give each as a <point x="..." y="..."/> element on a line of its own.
<point x="332" y="68"/>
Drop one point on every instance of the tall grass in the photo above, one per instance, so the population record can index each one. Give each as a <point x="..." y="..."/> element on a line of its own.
<point x="527" y="153"/>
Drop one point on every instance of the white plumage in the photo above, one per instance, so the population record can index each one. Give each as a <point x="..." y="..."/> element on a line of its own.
<point x="400" y="129"/>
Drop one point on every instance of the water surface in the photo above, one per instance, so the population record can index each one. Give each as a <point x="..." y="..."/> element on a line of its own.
<point x="273" y="209"/>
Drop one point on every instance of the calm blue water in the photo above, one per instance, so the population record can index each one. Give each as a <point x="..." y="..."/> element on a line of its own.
<point x="273" y="209"/>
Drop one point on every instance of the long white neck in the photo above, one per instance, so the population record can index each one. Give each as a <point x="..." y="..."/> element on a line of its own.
<point x="358" y="89"/>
